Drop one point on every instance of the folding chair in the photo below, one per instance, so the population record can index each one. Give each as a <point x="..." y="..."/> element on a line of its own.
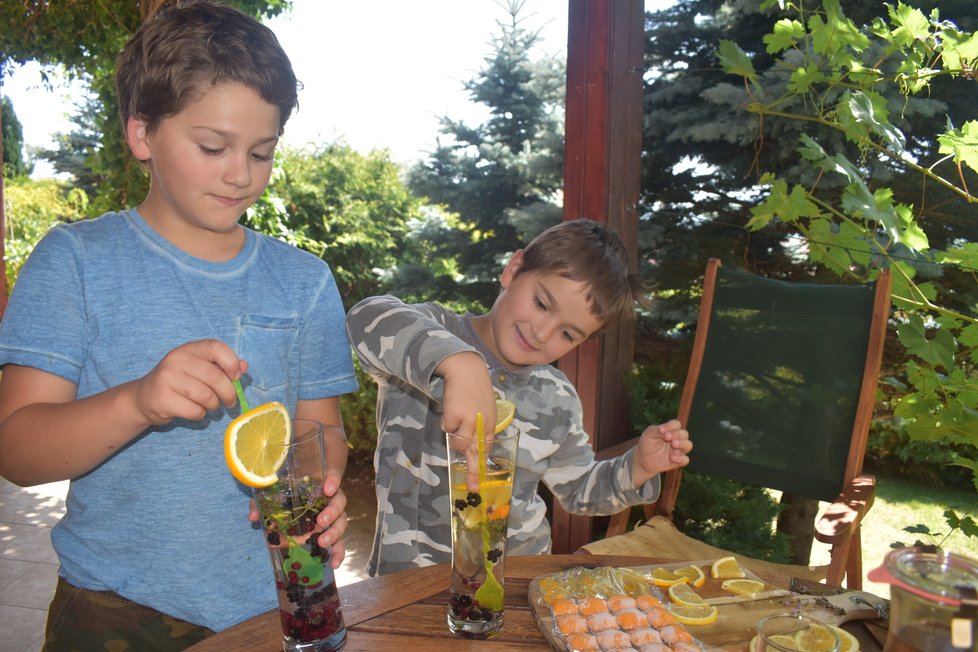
<point x="779" y="393"/>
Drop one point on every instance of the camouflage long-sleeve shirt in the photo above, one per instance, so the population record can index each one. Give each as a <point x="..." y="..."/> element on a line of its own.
<point x="400" y="345"/>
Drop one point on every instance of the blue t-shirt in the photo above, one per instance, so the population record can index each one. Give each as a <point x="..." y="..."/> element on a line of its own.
<point x="162" y="522"/>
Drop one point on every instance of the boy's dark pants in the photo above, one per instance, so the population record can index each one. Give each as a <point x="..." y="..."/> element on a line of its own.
<point x="80" y="620"/>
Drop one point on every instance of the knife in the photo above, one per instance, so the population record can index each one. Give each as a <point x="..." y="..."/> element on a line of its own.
<point x="842" y="601"/>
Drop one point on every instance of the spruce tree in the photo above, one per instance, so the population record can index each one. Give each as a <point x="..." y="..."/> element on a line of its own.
<point x="502" y="177"/>
<point x="14" y="164"/>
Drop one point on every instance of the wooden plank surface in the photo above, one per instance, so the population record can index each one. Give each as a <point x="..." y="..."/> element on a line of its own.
<point x="408" y="611"/>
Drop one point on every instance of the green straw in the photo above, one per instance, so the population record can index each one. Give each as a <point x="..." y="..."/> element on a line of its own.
<point x="241" y="397"/>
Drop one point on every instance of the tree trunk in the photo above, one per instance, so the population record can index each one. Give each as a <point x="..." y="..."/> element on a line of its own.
<point x="797" y="520"/>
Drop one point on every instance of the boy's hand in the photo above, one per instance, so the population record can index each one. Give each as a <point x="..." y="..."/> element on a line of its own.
<point x="659" y="449"/>
<point x="468" y="390"/>
<point x="333" y="520"/>
<point x="190" y="381"/>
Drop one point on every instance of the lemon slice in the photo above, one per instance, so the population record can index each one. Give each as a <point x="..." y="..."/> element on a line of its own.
<point x="749" y="588"/>
<point x="256" y="444"/>
<point x="783" y="641"/>
<point x="694" y="573"/>
<point x="695" y="614"/>
<point x="726" y="568"/>
<point x="505" y="411"/>
<point x="683" y="593"/>
<point x="815" y="639"/>
<point x="665" y="577"/>
<point x="849" y="642"/>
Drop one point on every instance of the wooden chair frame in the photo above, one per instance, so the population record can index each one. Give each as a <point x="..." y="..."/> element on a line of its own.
<point x="839" y="525"/>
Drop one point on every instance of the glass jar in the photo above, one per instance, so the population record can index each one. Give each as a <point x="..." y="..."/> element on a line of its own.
<point x="933" y="600"/>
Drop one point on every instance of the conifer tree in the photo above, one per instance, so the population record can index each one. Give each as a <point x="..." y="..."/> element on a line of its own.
<point x="14" y="164"/>
<point x="502" y="177"/>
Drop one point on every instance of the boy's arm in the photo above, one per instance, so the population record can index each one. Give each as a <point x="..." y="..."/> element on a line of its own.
<point x="46" y="434"/>
<point x="582" y="484"/>
<point x="406" y="341"/>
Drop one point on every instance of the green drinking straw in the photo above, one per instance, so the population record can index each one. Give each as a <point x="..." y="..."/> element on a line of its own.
<point x="241" y="397"/>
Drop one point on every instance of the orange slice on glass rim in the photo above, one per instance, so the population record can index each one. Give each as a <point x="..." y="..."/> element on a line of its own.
<point x="256" y="444"/>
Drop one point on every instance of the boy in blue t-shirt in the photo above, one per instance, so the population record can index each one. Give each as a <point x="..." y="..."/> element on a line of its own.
<point x="124" y="333"/>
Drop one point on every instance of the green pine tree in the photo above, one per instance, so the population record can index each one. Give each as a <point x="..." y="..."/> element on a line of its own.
<point x="14" y="164"/>
<point x="502" y="177"/>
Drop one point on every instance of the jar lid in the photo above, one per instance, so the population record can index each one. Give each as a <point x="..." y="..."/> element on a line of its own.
<point x="931" y="573"/>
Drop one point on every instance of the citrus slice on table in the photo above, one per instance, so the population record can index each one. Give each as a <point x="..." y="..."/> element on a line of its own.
<point x="695" y="574"/>
<point x="748" y="588"/>
<point x="783" y="641"/>
<point x="665" y="577"/>
<point x="683" y="593"/>
<point x="726" y="568"/>
<point x="694" y="614"/>
<point x="505" y="411"/>
<point x="814" y="639"/>
<point x="256" y="444"/>
<point x="849" y="642"/>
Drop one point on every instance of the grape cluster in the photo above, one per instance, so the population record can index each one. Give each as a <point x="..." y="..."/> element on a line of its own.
<point x="303" y="599"/>
<point x="494" y="555"/>
<point x="317" y="550"/>
<point x="306" y="624"/>
<point x="465" y="608"/>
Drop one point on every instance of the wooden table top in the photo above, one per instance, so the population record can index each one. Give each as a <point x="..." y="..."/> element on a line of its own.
<point x="407" y="611"/>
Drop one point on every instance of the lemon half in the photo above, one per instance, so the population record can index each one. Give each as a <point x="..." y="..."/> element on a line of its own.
<point x="256" y="444"/>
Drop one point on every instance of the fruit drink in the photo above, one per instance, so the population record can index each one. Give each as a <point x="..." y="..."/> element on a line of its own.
<point x="309" y="605"/>
<point x="479" y="523"/>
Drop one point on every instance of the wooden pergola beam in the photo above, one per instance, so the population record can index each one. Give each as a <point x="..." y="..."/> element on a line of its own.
<point x="602" y="151"/>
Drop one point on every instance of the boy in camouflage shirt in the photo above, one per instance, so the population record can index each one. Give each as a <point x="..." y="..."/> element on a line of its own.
<point x="436" y="369"/>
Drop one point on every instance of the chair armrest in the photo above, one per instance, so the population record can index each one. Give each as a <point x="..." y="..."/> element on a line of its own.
<point x="847" y="511"/>
<point x="615" y="450"/>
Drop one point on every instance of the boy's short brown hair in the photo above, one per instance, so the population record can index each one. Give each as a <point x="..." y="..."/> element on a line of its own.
<point x="190" y="47"/>
<point x="591" y="252"/>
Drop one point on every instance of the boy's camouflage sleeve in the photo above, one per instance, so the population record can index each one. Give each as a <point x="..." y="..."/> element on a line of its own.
<point x="408" y="342"/>
<point x="582" y="484"/>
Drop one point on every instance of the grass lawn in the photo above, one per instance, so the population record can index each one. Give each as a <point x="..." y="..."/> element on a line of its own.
<point x="900" y="504"/>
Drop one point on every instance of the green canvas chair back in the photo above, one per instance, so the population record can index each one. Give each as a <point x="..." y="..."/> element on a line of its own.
<point x="776" y="399"/>
<point x="779" y="393"/>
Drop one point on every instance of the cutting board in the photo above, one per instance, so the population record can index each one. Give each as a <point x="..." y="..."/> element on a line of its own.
<point x="738" y="616"/>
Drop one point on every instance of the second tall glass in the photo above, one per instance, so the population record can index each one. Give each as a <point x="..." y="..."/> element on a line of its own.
<point x="481" y="488"/>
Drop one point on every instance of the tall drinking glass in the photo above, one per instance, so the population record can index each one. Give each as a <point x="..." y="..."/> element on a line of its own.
<point x="309" y="606"/>
<point x="481" y="487"/>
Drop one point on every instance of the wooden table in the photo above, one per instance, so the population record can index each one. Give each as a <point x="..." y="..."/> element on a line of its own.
<point x="407" y="611"/>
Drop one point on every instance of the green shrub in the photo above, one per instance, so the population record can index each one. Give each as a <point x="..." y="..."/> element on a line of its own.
<point x="731" y="515"/>
<point x="891" y="452"/>
<point x="31" y="208"/>
<point x="359" y="416"/>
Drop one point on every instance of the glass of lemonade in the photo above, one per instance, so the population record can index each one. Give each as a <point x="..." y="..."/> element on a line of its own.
<point x="480" y="501"/>
<point x="309" y="606"/>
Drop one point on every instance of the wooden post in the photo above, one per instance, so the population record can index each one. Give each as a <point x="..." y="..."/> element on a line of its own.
<point x="3" y="222"/>
<point x="602" y="151"/>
